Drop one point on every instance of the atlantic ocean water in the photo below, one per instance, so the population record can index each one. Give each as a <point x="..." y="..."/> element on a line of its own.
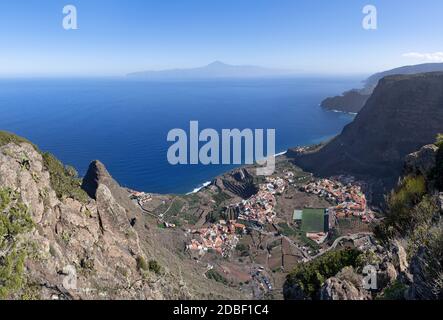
<point x="124" y="123"/>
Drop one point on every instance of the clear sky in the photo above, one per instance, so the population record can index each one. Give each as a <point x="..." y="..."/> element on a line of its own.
<point x="116" y="37"/>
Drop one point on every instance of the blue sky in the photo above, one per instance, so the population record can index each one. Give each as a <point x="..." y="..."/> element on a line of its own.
<point x="311" y="36"/>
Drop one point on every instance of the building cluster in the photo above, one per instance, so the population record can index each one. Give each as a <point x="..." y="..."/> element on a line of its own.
<point x="141" y="197"/>
<point x="260" y="207"/>
<point x="350" y="199"/>
<point x="221" y="237"/>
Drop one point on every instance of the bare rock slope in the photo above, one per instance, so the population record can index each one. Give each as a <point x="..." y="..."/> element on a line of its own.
<point x="59" y="247"/>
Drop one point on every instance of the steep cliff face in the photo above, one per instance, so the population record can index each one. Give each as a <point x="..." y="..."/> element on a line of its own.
<point x="54" y="247"/>
<point x="355" y="99"/>
<point x="406" y="250"/>
<point x="403" y="114"/>
<point x="351" y="101"/>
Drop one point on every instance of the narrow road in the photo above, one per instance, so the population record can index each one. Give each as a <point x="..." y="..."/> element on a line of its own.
<point x="338" y="240"/>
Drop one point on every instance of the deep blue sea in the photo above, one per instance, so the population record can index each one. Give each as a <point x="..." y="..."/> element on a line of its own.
<point x="124" y="123"/>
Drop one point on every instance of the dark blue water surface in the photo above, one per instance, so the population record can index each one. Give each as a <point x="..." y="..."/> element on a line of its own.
<point x="124" y="123"/>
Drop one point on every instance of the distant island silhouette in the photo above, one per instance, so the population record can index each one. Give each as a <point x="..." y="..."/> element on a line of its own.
<point x="216" y="69"/>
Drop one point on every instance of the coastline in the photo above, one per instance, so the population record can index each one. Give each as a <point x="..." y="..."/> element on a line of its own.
<point x="340" y="111"/>
<point x="208" y="183"/>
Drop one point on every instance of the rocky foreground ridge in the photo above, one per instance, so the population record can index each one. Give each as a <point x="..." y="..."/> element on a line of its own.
<point x="405" y="254"/>
<point x="60" y="242"/>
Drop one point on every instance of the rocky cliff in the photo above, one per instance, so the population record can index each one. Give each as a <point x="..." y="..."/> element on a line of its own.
<point x="403" y="114"/>
<point x="405" y="255"/>
<point x="355" y="99"/>
<point x="351" y="102"/>
<point x="56" y="242"/>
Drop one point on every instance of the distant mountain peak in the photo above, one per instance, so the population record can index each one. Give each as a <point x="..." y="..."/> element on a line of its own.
<point x="217" y="63"/>
<point x="216" y="69"/>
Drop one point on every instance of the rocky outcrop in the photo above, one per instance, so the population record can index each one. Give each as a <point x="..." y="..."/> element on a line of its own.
<point x="294" y="292"/>
<point x="346" y="285"/>
<point x="422" y="161"/>
<point x="403" y="114"/>
<point x="100" y="185"/>
<point x="350" y="102"/>
<point x="355" y="99"/>
<point x="84" y="250"/>
<point x="427" y="272"/>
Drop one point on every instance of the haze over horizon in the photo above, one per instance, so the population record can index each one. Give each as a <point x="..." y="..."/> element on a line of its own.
<point x="310" y="37"/>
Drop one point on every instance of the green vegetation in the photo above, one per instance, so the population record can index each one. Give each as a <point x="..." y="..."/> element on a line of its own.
<point x="395" y="291"/>
<point x="367" y="258"/>
<point x="177" y="211"/>
<point x="6" y="138"/>
<point x="220" y="197"/>
<point x="193" y="199"/>
<point x="216" y="215"/>
<point x="243" y="249"/>
<point x="175" y="208"/>
<point x="154" y="266"/>
<point x="407" y="208"/>
<point x="308" y="242"/>
<point x="189" y="217"/>
<point x="216" y="276"/>
<point x="309" y="277"/>
<point x="286" y="230"/>
<point x="313" y="220"/>
<point x="141" y="264"/>
<point x="64" y="179"/>
<point x="11" y="273"/>
<point x="438" y="171"/>
<point x="14" y="221"/>
<point x="439" y="140"/>
<point x="14" y="218"/>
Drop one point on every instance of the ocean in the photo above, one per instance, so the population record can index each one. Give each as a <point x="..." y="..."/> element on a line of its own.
<point x="124" y="123"/>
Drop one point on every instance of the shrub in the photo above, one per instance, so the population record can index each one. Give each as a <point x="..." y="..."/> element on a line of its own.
<point x="400" y="214"/>
<point x="64" y="180"/>
<point x="141" y="264"/>
<point x="154" y="266"/>
<point x="243" y="249"/>
<point x="395" y="291"/>
<point x="216" y="276"/>
<point x="14" y="218"/>
<point x="286" y="230"/>
<point x="14" y="221"/>
<point x="438" y="170"/>
<point x="367" y="258"/>
<point x="6" y="138"/>
<point x="439" y="140"/>
<point x="11" y="273"/>
<point x="310" y="276"/>
<point x="220" y="197"/>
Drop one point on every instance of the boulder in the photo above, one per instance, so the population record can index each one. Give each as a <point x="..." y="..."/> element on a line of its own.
<point x="346" y="285"/>
<point x="422" y="161"/>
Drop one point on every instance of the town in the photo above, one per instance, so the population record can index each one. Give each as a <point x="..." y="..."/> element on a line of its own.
<point x="349" y="198"/>
<point x="344" y="195"/>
